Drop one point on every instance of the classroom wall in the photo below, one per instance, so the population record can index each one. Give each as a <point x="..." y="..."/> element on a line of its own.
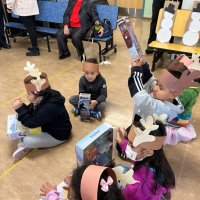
<point x="130" y="3"/>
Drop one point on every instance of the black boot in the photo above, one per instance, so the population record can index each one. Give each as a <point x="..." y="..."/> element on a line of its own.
<point x="4" y="45"/>
<point x="34" y="51"/>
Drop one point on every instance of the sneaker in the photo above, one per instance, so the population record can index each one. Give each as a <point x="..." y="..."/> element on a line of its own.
<point x="65" y="55"/>
<point x="20" y="152"/>
<point x="96" y="114"/>
<point x="33" y="52"/>
<point x="83" y="58"/>
<point x="76" y="111"/>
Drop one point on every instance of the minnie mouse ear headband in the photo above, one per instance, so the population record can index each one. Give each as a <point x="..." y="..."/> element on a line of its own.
<point x="142" y="139"/>
<point x="91" y="179"/>
<point x="189" y="69"/>
<point x="35" y="81"/>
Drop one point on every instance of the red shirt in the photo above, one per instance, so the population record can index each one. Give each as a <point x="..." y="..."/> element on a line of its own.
<point x="74" y="19"/>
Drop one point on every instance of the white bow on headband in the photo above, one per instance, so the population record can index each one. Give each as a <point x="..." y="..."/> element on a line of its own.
<point x="105" y="185"/>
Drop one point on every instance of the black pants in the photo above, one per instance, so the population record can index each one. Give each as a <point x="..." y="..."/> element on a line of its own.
<point x="77" y="35"/>
<point x="2" y="37"/>
<point x="28" y="22"/>
<point x="157" y="5"/>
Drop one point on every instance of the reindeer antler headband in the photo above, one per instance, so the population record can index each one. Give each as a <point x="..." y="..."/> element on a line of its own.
<point x="142" y="138"/>
<point x="37" y="84"/>
<point x="187" y="78"/>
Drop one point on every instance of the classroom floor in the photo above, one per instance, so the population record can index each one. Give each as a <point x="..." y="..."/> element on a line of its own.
<point x="22" y="180"/>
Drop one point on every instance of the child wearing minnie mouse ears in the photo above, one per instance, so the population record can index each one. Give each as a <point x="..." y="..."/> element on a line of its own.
<point x="143" y="146"/>
<point x="46" y="110"/>
<point x="88" y="182"/>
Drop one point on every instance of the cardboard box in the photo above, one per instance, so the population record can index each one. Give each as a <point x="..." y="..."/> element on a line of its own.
<point x="15" y="129"/>
<point x="84" y="104"/>
<point x="97" y="147"/>
<point x="126" y="28"/>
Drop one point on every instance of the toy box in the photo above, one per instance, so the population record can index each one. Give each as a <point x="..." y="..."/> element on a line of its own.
<point x="97" y="147"/>
<point x="16" y="130"/>
<point x="130" y="38"/>
<point x="84" y="105"/>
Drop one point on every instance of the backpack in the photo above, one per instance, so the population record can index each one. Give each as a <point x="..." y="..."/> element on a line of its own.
<point x="108" y="31"/>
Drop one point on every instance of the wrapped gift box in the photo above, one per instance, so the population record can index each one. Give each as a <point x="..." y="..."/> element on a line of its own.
<point x="97" y="147"/>
<point x="84" y="104"/>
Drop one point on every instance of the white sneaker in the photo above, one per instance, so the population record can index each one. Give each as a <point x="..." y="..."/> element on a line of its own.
<point x="20" y="152"/>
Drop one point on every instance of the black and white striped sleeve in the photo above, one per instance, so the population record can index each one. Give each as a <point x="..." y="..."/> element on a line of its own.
<point x="135" y="81"/>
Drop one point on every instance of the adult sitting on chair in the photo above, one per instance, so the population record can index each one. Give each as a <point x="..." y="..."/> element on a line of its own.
<point x="3" y="43"/>
<point x="79" y="17"/>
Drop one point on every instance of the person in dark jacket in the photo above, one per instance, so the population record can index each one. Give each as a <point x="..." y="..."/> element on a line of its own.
<point x="78" y="18"/>
<point x="46" y="110"/>
<point x="3" y="43"/>
<point x="92" y="82"/>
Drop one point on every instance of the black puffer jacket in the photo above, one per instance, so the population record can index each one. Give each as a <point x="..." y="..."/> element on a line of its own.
<point x="87" y="14"/>
<point x="51" y="115"/>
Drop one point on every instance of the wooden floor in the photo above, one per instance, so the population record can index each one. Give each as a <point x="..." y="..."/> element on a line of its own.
<point x="22" y="180"/>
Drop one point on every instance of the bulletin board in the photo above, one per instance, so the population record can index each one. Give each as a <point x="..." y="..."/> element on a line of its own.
<point x="138" y="4"/>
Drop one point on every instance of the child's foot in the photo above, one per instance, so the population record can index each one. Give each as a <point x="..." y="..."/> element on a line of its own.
<point x="20" y="152"/>
<point x="96" y="114"/>
<point x="76" y="111"/>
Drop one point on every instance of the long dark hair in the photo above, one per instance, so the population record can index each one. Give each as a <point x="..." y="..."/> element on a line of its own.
<point x="163" y="172"/>
<point x="113" y="194"/>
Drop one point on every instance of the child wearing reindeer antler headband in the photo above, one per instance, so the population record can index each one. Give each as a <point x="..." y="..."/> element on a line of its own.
<point x="87" y="183"/>
<point x="46" y="110"/>
<point x="161" y="96"/>
<point x="153" y="176"/>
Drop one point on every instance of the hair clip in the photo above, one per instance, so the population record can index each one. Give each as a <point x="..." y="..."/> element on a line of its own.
<point x="105" y="185"/>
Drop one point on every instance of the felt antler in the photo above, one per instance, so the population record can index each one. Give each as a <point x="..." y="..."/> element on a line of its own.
<point x="29" y="67"/>
<point x="124" y="178"/>
<point x="162" y="118"/>
<point x="187" y="79"/>
<point x="148" y="124"/>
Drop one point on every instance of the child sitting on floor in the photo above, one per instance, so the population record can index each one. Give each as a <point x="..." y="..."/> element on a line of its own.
<point x="87" y="183"/>
<point x="180" y="128"/>
<point x="153" y="176"/>
<point x="161" y="95"/>
<point x="46" y="110"/>
<point x="92" y="82"/>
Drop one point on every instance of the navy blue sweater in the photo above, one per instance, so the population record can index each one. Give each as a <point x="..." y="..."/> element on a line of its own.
<point x="51" y="115"/>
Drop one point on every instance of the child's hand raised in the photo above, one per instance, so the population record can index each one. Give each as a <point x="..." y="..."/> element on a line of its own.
<point x="137" y="62"/>
<point x="121" y="135"/>
<point x="17" y="103"/>
<point x="46" y="188"/>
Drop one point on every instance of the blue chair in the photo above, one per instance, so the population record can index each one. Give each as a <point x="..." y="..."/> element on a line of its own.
<point x="50" y="11"/>
<point x="109" y="12"/>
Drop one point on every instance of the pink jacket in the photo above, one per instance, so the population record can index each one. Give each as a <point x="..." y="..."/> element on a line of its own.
<point x="23" y="7"/>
